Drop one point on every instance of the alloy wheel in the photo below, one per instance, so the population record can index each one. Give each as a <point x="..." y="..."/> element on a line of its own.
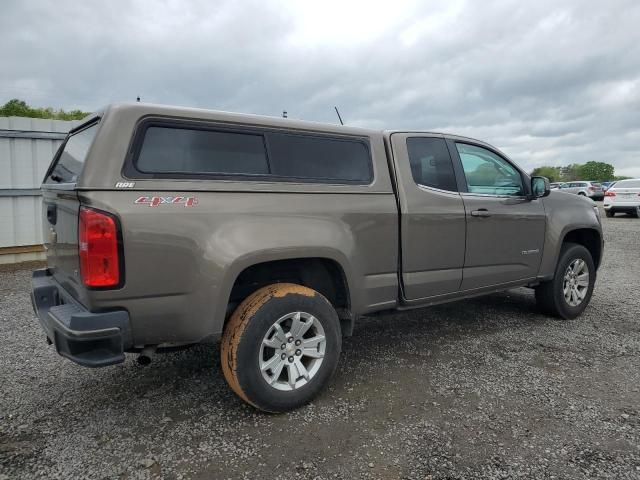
<point x="292" y="351"/>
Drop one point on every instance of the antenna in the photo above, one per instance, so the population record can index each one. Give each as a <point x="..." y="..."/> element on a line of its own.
<point x="339" y="117"/>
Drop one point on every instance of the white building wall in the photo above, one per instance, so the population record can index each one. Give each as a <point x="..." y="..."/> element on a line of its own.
<point x="27" y="146"/>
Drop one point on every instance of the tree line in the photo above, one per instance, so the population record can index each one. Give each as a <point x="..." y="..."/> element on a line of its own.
<point x="594" y="171"/>
<point x="19" y="108"/>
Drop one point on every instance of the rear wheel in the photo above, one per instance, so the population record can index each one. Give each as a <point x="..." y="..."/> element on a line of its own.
<point x="609" y="213"/>
<point x="281" y="346"/>
<point x="569" y="293"/>
<point x="582" y="193"/>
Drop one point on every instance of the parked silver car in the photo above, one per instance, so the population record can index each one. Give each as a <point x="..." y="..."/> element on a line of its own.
<point x="592" y="190"/>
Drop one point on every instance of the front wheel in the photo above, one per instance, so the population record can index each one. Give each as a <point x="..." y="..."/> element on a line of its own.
<point x="569" y="292"/>
<point x="281" y="346"/>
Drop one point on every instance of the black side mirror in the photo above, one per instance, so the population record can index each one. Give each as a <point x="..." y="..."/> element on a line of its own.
<point x="540" y="187"/>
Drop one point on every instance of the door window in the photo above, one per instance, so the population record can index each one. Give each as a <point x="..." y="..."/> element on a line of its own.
<point x="488" y="173"/>
<point x="430" y="163"/>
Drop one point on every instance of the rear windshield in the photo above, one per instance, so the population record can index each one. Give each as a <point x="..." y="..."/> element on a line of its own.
<point x="175" y="152"/>
<point x="594" y="184"/>
<point x="74" y="153"/>
<point x="627" y="184"/>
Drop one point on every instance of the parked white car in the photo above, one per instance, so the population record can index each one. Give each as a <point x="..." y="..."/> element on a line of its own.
<point x="624" y="196"/>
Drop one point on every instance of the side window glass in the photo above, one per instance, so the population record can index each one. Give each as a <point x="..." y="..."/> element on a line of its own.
<point x="183" y="150"/>
<point x="430" y="163"/>
<point x="488" y="173"/>
<point x="321" y="158"/>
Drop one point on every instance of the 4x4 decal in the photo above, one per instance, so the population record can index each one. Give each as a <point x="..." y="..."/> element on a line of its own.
<point x="155" y="201"/>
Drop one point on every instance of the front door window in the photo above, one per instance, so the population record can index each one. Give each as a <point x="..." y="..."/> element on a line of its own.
<point x="487" y="173"/>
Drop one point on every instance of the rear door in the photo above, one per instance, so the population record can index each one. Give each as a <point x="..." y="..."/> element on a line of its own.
<point x="61" y="207"/>
<point x="505" y="229"/>
<point x="432" y="230"/>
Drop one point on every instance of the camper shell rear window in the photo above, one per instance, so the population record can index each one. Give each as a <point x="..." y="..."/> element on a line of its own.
<point x="70" y="159"/>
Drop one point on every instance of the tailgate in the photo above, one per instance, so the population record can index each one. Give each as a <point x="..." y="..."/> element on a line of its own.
<point x="61" y="207"/>
<point x="60" y="228"/>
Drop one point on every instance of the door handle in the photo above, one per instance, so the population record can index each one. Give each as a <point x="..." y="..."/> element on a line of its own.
<point x="52" y="214"/>
<point x="482" y="212"/>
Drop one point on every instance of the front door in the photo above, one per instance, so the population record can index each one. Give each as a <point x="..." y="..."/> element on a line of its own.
<point x="505" y="228"/>
<point x="432" y="221"/>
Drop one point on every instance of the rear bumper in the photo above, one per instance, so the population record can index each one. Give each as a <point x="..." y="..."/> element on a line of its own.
<point x="622" y="206"/>
<point x="89" y="339"/>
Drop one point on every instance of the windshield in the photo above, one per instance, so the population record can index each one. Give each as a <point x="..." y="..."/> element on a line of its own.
<point x="71" y="160"/>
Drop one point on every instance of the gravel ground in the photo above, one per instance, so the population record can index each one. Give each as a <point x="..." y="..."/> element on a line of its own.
<point x="484" y="388"/>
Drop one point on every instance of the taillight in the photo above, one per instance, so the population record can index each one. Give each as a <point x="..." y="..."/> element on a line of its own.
<point x="98" y="244"/>
<point x="591" y="189"/>
<point x="609" y="193"/>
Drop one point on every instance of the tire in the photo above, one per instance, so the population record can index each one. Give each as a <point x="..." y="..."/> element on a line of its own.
<point x="636" y="212"/>
<point x="251" y="342"/>
<point x="582" y="193"/>
<point x="550" y="295"/>
<point x="609" y="213"/>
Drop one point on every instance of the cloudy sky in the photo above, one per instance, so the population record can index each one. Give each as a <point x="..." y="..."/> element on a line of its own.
<point x="549" y="82"/>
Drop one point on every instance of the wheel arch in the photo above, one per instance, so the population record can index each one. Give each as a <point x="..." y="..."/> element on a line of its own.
<point x="325" y="272"/>
<point x="590" y="238"/>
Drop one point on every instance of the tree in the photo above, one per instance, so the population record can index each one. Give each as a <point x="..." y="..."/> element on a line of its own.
<point x="598" y="171"/>
<point x="552" y="173"/>
<point x="571" y="172"/>
<point x="19" y="108"/>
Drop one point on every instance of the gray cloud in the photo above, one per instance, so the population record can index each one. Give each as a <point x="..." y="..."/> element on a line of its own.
<point x="548" y="82"/>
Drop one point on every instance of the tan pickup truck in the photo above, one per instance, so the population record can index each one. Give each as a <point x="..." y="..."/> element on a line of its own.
<point x="168" y="227"/>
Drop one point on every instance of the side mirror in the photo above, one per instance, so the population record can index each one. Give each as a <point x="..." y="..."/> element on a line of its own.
<point x="540" y="187"/>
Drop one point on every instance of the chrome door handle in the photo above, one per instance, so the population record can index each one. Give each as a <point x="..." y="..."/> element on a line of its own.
<point x="483" y="212"/>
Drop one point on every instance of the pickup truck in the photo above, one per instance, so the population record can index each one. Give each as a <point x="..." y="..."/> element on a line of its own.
<point x="167" y="227"/>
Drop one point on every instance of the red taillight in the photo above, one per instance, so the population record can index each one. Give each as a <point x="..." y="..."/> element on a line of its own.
<point x="609" y="193"/>
<point x="591" y="189"/>
<point x="98" y="244"/>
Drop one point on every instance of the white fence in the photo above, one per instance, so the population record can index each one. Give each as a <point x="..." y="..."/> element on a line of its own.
<point x="27" y="146"/>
